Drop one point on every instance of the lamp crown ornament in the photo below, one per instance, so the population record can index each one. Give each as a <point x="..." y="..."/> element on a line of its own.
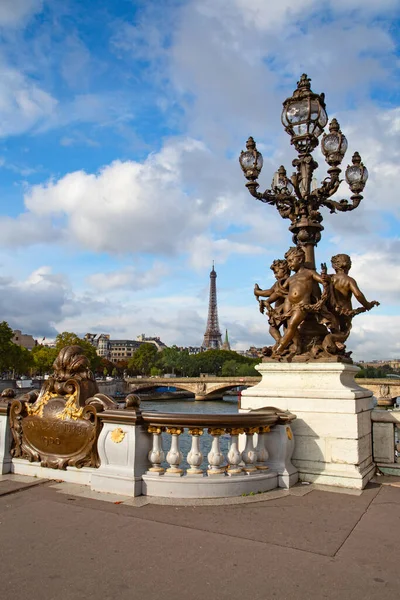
<point x="314" y="309"/>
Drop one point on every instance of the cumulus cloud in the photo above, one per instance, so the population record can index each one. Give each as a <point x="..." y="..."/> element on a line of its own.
<point x="159" y="206"/>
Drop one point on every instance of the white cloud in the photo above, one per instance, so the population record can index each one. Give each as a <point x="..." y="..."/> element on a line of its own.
<point x="204" y="250"/>
<point x="16" y="12"/>
<point x="129" y="278"/>
<point x="23" y="104"/>
<point x="378" y="273"/>
<point x="160" y="206"/>
<point x="375" y="336"/>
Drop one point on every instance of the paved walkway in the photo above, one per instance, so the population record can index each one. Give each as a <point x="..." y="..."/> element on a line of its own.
<point x="60" y="541"/>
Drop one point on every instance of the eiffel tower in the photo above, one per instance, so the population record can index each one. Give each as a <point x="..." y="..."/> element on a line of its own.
<point x="212" y="336"/>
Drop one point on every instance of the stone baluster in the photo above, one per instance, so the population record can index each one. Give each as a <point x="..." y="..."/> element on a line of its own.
<point x="195" y="457"/>
<point x="262" y="452"/>
<point x="249" y="455"/>
<point x="174" y="456"/>
<point x="156" y="454"/>
<point x="234" y="455"/>
<point x="215" y="456"/>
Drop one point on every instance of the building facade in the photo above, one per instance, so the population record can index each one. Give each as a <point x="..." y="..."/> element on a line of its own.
<point x="24" y="340"/>
<point x="120" y="350"/>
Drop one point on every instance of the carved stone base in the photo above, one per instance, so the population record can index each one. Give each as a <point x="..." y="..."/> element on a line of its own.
<point x="333" y="425"/>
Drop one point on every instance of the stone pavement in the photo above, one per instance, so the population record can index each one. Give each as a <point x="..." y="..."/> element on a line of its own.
<point x="61" y="541"/>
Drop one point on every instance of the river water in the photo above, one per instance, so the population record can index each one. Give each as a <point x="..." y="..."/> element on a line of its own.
<point x="229" y="405"/>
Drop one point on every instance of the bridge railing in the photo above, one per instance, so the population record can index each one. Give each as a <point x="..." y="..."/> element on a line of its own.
<point x="246" y="453"/>
<point x="241" y="450"/>
<point x="386" y="440"/>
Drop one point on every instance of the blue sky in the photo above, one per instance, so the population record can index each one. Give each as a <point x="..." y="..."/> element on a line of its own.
<point x="120" y="127"/>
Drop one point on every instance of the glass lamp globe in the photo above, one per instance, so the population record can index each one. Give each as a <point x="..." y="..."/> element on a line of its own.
<point x="356" y="174"/>
<point x="334" y="144"/>
<point x="280" y="183"/>
<point x="304" y="116"/>
<point x="251" y="160"/>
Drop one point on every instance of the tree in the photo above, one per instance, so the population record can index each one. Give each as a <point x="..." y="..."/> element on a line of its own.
<point x="143" y="359"/>
<point x="20" y="360"/>
<point x="43" y="359"/>
<point x="155" y="372"/>
<point x="104" y="363"/>
<point x="6" y="335"/>
<point x="230" y="368"/>
<point x="68" y="338"/>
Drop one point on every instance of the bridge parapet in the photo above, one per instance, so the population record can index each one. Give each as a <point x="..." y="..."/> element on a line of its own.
<point x="203" y="388"/>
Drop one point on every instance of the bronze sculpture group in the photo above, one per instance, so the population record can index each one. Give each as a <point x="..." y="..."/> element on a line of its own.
<point x="296" y="306"/>
<point x="309" y="313"/>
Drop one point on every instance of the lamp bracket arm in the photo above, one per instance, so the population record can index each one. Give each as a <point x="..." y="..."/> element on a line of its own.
<point x="343" y="205"/>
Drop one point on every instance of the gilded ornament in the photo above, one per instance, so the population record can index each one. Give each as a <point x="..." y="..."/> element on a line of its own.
<point x="154" y="429"/>
<point x="195" y="431"/>
<point x="117" y="435"/>
<point x="235" y="430"/>
<point x="38" y="407"/>
<point x="252" y="430"/>
<point x="216" y="431"/>
<point x="174" y="430"/>
<point x="60" y="427"/>
<point x="289" y="433"/>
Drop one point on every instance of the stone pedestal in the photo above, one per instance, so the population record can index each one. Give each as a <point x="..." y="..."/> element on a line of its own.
<point x="333" y="426"/>
<point x="123" y="448"/>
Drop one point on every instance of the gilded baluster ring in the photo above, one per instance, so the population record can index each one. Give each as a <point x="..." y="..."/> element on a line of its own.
<point x="195" y="431"/>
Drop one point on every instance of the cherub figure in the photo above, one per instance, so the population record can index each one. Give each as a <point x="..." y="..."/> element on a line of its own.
<point x="342" y="288"/>
<point x="275" y="294"/>
<point x="300" y="299"/>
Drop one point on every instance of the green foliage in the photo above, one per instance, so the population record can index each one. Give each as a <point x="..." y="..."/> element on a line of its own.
<point x="369" y="372"/>
<point x="155" y="372"/>
<point x="43" y="359"/>
<point x="13" y="357"/>
<point x="224" y="363"/>
<point x="20" y="360"/>
<point x="114" y="372"/>
<point x="143" y="359"/>
<point x="6" y="345"/>
<point x="68" y="338"/>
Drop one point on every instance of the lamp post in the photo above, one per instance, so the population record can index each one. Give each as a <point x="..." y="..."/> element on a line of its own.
<point x="298" y="198"/>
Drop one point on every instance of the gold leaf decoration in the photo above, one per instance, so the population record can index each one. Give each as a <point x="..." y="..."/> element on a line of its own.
<point x="117" y="435"/>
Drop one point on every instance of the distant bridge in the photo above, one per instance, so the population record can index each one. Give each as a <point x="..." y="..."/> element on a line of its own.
<point x="203" y="388"/>
<point x="389" y="387"/>
<point x="208" y="388"/>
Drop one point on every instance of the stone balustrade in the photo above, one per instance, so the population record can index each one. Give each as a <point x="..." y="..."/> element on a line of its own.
<point x="254" y="443"/>
<point x="386" y="440"/>
<point x="245" y="454"/>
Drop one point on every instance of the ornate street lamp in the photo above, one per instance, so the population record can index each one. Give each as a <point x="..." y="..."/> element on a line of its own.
<point x="297" y="198"/>
<point x="308" y="321"/>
